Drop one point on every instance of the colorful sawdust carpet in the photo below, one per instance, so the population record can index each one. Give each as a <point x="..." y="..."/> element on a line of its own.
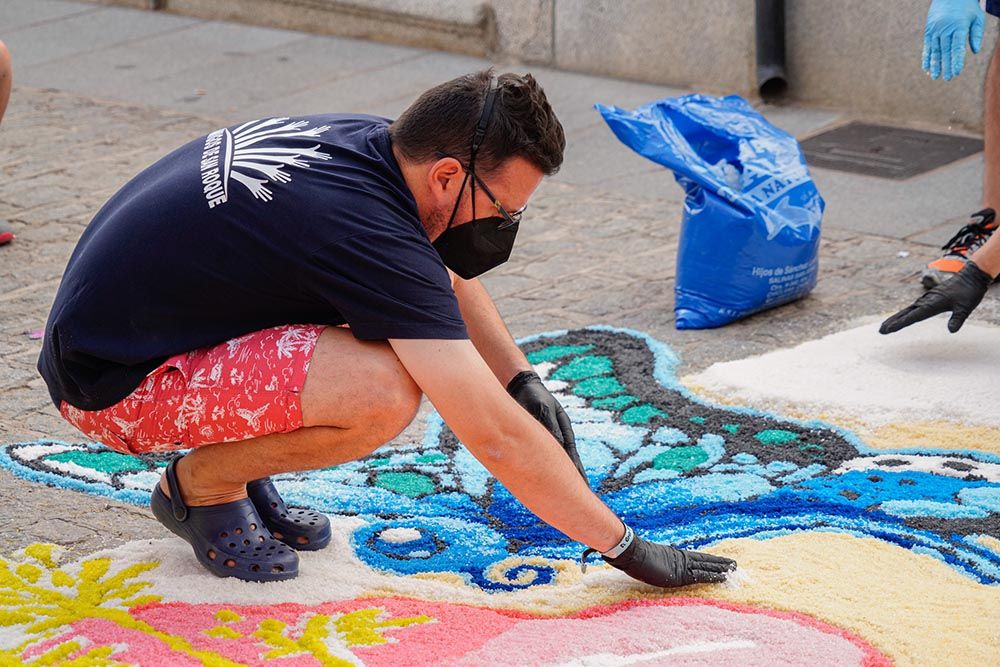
<point x="849" y="554"/>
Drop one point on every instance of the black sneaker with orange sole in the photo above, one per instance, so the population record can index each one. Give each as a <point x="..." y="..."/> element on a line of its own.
<point x="960" y="247"/>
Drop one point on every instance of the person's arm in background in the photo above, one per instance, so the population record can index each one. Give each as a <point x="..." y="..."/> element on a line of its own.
<point x="958" y="295"/>
<point x="951" y="24"/>
<point x="497" y="347"/>
<point x="526" y="459"/>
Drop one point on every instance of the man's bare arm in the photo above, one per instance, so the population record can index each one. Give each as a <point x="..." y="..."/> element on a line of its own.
<point x="528" y="461"/>
<point x="514" y="447"/>
<point x="496" y="346"/>
<point x="487" y="330"/>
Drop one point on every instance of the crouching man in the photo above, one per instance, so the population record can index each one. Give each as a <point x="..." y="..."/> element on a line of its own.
<point x="205" y="305"/>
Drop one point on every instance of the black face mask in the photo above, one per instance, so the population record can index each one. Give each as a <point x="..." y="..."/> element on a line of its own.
<point x="476" y="247"/>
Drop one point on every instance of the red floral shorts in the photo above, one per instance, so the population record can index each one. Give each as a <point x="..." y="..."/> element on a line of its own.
<point x="244" y="388"/>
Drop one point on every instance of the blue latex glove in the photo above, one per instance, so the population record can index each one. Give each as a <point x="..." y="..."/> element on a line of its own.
<point x="950" y="24"/>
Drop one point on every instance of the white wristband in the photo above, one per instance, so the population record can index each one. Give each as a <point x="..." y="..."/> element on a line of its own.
<point x="619" y="549"/>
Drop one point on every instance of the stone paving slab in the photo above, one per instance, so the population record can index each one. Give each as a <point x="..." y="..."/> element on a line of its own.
<point x="800" y="122"/>
<point x="124" y="72"/>
<point x="594" y="157"/>
<point x="83" y="32"/>
<point x="19" y="14"/>
<point x="901" y="209"/>
<point x="383" y="81"/>
<point x="574" y="95"/>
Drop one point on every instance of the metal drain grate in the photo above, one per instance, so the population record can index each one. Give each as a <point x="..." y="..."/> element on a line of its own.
<point x="885" y="151"/>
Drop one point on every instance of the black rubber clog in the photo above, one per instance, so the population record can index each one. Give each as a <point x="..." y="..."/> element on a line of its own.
<point x="288" y="524"/>
<point x="230" y="540"/>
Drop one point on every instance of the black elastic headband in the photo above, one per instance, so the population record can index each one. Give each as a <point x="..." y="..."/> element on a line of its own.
<point x="484" y="119"/>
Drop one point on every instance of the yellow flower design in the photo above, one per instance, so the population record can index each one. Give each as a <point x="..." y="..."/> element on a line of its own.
<point x="357" y="628"/>
<point x="39" y="595"/>
<point x="39" y="600"/>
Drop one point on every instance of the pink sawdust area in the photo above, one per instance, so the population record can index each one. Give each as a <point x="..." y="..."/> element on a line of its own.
<point x="679" y="631"/>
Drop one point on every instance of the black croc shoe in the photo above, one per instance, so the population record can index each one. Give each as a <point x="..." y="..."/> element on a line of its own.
<point x="230" y="540"/>
<point x="290" y="525"/>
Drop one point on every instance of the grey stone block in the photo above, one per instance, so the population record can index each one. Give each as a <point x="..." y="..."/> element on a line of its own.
<point x="525" y="29"/>
<point x="455" y="25"/>
<point x="685" y="43"/>
<point x="455" y="11"/>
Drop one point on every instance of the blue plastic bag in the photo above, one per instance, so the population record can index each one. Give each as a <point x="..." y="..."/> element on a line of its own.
<point x="751" y="228"/>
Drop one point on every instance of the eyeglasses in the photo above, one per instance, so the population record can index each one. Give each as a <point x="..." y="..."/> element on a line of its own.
<point x="509" y="219"/>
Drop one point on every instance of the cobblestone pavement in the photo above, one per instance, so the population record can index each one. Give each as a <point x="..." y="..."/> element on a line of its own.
<point x="585" y="258"/>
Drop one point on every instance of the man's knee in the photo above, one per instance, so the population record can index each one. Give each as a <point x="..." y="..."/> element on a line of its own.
<point x="358" y="385"/>
<point x="396" y="402"/>
<point x="390" y="397"/>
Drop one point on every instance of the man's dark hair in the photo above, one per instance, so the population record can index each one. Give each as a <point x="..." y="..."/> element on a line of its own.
<point x="443" y="119"/>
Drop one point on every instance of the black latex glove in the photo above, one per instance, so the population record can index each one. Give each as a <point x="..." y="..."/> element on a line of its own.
<point x="527" y="389"/>
<point x="660" y="565"/>
<point x="958" y="295"/>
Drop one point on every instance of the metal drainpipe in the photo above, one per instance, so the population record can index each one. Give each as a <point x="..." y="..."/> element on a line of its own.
<point x="770" y="28"/>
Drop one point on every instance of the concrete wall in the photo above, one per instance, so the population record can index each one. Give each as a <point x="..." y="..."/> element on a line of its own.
<point x="708" y="45"/>
<point x="865" y="56"/>
<point x="858" y="55"/>
<point x="525" y="29"/>
<point x="451" y="25"/>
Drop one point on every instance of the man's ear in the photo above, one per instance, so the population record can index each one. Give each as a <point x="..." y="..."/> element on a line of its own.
<point x="444" y="175"/>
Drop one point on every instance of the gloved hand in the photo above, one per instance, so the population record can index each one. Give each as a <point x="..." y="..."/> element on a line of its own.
<point x="660" y="565"/>
<point x="959" y="295"/>
<point x="950" y="24"/>
<point x="527" y="389"/>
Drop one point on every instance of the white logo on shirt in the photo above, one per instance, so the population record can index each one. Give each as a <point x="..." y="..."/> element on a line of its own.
<point x="227" y="153"/>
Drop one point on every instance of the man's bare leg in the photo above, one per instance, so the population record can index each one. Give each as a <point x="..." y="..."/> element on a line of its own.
<point x="357" y="397"/>
<point x="991" y="127"/>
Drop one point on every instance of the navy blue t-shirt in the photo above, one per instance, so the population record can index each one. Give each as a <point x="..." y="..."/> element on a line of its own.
<point x="276" y="221"/>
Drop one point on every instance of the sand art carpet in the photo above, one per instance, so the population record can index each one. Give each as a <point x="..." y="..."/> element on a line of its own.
<point x="855" y="547"/>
